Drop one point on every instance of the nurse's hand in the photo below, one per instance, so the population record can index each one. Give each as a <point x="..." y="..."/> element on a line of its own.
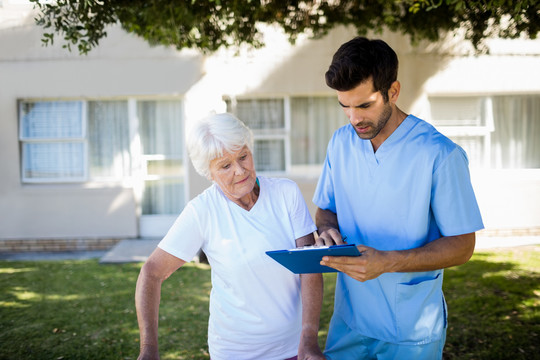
<point x="329" y="237"/>
<point x="327" y="226"/>
<point x="370" y="265"/>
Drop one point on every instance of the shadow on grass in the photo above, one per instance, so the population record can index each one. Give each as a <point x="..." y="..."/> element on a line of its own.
<point x="493" y="310"/>
<point x="83" y="310"/>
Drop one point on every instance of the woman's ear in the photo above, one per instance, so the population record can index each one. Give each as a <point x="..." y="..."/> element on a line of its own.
<point x="393" y="92"/>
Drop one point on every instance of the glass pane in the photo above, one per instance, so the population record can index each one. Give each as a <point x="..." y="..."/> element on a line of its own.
<point x="161" y="127"/>
<point x="163" y="197"/>
<point x="51" y="119"/>
<point x="165" y="167"/>
<point x="313" y="122"/>
<point x="269" y="155"/>
<point x="457" y="111"/>
<point x="108" y="135"/>
<point x="260" y="114"/>
<point x="53" y="160"/>
<point x="162" y="142"/>
<point x="515" y="143"/>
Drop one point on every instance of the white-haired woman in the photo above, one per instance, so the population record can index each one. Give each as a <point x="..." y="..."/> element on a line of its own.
<point x="258" y="309"/>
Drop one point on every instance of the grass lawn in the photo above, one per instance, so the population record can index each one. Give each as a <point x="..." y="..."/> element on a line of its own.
<point x="84" y="310"/>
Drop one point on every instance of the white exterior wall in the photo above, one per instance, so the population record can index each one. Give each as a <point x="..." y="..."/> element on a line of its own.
<point x="122" y="67"/>
<point x="125" y="66"/>
<point x="508" y="199"/>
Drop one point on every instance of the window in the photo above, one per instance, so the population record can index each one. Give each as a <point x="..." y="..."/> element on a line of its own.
<point x="267" y="120"/>
<point x="291" y="133"/>
<point x="496" y="131"/>
<point x="162" y="148"/>
<point x="75" y="141"/>
<point x="53" y="136"/>
<point x="72" y="141"/>
<point x="314" y="120"/>
<point x="468" y="121"/>
<point x="108" y="139"/>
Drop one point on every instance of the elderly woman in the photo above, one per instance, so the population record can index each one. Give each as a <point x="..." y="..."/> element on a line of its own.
<point x="258" y="309"/>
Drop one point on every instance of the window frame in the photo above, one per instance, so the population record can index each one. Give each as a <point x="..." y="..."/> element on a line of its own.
<point x="269" y="134"/>
<point x="296" y="170"/>
<point x="495" y="126"/>
<point x="136" y="168"/>
<point x="26" y="140"/>
<point x="484" y="130"/>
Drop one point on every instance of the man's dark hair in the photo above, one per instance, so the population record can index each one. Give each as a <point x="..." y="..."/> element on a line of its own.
<point x="360" y="59"/>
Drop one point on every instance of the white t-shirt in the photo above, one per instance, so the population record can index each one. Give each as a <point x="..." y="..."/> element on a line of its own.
<point x="255" y="303"/>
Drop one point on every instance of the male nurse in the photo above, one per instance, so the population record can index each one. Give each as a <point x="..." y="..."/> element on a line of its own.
<point x="400" y="191"/>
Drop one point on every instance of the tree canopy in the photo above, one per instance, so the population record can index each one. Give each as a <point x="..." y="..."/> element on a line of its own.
<point x="210" y="24"/>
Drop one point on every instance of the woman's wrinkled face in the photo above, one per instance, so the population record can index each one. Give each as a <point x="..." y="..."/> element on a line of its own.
<point x="234" y="173"/>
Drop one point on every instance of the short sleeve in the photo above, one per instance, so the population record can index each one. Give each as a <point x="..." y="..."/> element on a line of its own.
<point x="453" y="203"/>
<point x="184" y="239"/>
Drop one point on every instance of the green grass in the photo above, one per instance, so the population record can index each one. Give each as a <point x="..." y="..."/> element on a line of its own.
<point x="84" y="310"/>
<point x="494" y="306"/>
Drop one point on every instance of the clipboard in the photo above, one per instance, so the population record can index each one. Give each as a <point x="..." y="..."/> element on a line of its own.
<point x="307" y="260"/>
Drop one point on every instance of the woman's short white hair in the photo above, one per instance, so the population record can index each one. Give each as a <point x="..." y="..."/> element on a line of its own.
<point x="214" y="135"/>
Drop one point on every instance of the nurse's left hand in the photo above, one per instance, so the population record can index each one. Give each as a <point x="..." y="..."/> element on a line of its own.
<point x="370" y="265"/>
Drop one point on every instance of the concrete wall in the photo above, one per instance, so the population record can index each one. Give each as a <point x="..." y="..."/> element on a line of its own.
<point x="125" y="66"/>
<point x="509" y="199"/>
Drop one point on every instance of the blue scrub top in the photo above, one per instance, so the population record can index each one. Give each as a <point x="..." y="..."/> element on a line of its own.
<point x="413" y="190"/>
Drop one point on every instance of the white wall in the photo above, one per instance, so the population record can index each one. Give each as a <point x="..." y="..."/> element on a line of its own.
<point x="508" y="199"/>
<point x="123" y="66"/>
<point x="126" y="66"/>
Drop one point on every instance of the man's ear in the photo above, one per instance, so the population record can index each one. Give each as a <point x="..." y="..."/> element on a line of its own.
<point x="393" y="92"/>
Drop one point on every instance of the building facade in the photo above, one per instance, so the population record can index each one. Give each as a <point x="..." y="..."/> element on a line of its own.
<point x="92" y="147"/>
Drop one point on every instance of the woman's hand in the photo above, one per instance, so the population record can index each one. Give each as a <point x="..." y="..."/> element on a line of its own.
<point x="159" y="266"/>
<point x="309" y="349"/>
<point x="148" y="352"/>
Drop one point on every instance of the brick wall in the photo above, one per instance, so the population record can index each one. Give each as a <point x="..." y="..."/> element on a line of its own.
<point x="37" y="245"/>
